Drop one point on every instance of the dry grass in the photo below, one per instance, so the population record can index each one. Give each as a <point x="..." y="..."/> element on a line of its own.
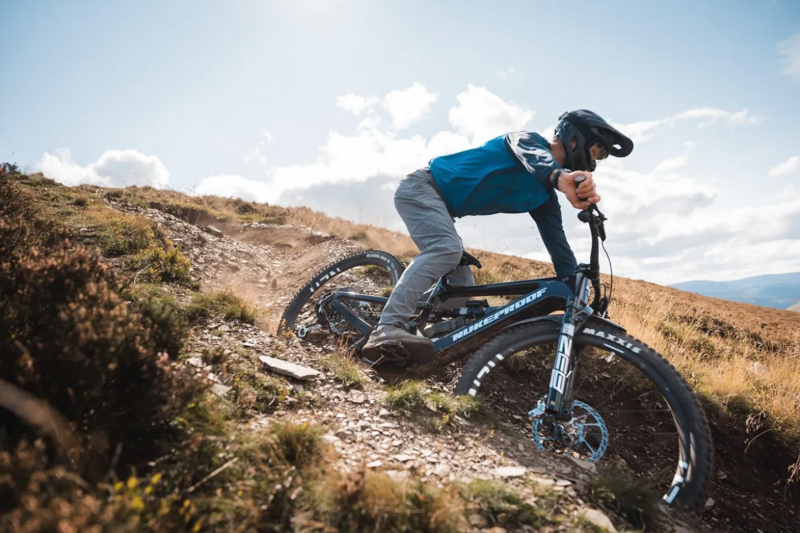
<point x="742" y="357"/>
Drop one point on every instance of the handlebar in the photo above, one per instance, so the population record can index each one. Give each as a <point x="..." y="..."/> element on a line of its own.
<point x="596" y="219"/>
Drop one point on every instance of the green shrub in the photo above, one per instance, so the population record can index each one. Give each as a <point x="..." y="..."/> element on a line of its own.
<point x="164" y="264"/>
<point x="68" y="338"/>
<point x="166" y="320"/>
<point x="220" y="305"/>
<point x="129" y="235"/>
<point x="631" y="498"/>
<point x="499" y="505"/>
<point x="412" y="395"/>
<point x="372" y="501"/>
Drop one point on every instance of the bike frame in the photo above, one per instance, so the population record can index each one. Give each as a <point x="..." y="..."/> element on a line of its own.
<point x="570" y="294"/>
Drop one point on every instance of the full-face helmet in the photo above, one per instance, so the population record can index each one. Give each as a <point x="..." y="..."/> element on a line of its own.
<point x="588" y="138"/>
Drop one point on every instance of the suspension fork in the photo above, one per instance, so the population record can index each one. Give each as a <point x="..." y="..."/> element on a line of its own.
<point x="558" y="404"/>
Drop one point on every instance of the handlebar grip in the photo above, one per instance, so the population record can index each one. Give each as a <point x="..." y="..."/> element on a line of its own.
<point x="578" y="180"/>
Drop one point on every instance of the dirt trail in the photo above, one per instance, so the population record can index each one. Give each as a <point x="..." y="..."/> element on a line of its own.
<point x="267" y="264"/>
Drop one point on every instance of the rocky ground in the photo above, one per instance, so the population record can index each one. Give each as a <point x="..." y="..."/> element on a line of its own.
<point x="266" y="265"/>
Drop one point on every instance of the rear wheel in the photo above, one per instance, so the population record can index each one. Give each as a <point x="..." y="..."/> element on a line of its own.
<point x="310" y="316"/>
<point x="630" y="406"/>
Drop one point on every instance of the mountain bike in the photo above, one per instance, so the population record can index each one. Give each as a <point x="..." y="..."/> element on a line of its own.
<point x="589" y="389"/>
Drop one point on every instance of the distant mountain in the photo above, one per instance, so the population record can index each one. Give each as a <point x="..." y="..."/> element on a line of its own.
<point x="781" y="291"/>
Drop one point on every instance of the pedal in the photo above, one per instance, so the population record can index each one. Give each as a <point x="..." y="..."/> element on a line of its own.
<point x="393" y="351"/>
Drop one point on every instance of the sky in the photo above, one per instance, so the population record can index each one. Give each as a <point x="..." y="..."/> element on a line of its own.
<point x="330" y="103"/>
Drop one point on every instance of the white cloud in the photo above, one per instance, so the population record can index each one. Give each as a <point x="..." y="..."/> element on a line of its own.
<point x="703" y="116"/>
<point x="789" y="51"/>
<point x="377" y="150"/>
<point x="670" y="164"/>
<point x="482" y="115"/>
<point x="258" y="153"/>
<point x="234" y="186"/>
<point x="409" y="105"/>
<point x="504" y="74"/>
<point x="787" y="167"/>
<point x="356" y="104"/>
<point x="115" y="168"/>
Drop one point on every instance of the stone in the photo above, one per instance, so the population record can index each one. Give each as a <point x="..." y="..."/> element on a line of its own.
<point x="510" y="471"/>
<point x="219" y="389"/>
<point x="211" y="230"/>
<point x="397" y="475"/>
<point x="196" y="362"/>
<point x="563" y="483"/>
<point x="586" y="465"/>
<point x="332" y="439"/>
<point x="476" y="520"/>
<point x="288" y="369"/>
<point x="710" y="503"/>
<point x="375" y="464"/>
<point x="442" y="470"/>
<point x="599" y="519"/>
<point x="383" y="412"/>
<point x="546" y="482"/>
<point x="403" y="457"/>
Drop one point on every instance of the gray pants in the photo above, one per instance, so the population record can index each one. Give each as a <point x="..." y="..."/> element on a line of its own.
<point x="434" y="232"/>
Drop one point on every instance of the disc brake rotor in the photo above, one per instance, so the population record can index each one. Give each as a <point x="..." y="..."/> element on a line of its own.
<point x="585" y="436"/>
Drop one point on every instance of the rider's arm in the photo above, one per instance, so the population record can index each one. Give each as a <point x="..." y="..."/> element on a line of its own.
<point x="548" y="219"/>
<point x="533" y="151"/>
<point x="585" y="194"/>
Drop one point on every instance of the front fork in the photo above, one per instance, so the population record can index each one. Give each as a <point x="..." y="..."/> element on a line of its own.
<point x="558" y="404"/>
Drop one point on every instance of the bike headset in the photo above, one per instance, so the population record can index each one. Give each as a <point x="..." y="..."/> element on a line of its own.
<point x="586" y="129"/>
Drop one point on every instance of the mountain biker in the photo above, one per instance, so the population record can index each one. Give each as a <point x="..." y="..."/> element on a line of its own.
<point x="515" y="173"/>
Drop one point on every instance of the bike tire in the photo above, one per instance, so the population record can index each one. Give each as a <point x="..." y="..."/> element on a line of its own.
<point x="694" y="447"/>
<point x="360" y="259"/>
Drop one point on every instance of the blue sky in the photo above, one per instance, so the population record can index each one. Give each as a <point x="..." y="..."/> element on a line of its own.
<point x="330" y="103"/>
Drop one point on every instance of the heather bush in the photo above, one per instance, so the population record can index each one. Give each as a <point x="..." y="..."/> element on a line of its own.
<point x="160" y="263"/>
<point x="220" y="305"/>
<point x="67" y="338"/>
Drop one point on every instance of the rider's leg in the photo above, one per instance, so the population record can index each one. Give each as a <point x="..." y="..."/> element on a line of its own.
<point x="425" y="214"/>
<point x="429" y="223"/>
<point x="548" y="220"/>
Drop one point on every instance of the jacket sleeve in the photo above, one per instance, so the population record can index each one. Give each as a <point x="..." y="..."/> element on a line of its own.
<point x="551" y="228"/>
<point x="533" y="151"/>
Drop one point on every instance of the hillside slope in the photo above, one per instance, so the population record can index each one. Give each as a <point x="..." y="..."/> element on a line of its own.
<point x="775" y="290"/>
<point x="263" y="254"/>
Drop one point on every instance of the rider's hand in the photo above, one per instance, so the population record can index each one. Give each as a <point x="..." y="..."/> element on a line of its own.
<point x="585" y="194"/>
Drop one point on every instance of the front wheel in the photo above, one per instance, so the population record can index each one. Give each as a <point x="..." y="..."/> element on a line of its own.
<point x="629" y="404"/>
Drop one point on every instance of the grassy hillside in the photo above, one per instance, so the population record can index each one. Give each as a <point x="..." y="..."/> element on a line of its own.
<point x="125" y="304"/>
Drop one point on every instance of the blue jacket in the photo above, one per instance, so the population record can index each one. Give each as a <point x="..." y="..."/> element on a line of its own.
<point x="506" y="175"/>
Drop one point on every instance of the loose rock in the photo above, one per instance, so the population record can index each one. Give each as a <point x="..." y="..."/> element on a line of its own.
<point x="288" y="369"/>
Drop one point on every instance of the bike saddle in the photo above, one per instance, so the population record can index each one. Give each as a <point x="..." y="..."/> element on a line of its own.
<point x="468" y="259"/>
